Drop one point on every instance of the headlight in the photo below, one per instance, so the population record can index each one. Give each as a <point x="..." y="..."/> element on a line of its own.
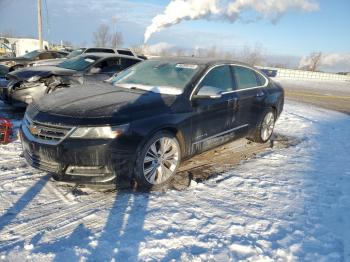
<point x="102" y="132"/>
<point x="33" y="79"/>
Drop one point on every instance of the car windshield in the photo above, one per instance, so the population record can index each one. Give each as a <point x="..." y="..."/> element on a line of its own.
<point x="75" y="53"/>
<point x="157" y="76"/>
<point x="32" y="54"/>
<point x="79" y="63"/>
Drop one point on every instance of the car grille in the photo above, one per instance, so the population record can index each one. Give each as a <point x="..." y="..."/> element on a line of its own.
<point x="47" y="134"/>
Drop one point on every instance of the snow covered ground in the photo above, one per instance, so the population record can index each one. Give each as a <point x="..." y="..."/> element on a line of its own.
<point x="290" y="204"/>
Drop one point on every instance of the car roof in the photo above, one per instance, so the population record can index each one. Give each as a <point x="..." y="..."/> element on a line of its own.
<point x="106" y="55"/>
<point x="199" y="60"/>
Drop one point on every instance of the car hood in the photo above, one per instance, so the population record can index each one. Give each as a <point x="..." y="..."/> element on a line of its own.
<point x="101" y="104"/>
<point x="42" y="71"/>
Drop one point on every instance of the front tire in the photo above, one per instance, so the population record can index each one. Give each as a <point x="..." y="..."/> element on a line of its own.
<point x="264" y="130"/>
<point x="158" y="161"/>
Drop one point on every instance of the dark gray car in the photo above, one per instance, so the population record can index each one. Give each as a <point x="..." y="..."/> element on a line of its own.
<point x="74" y="53"/>
<point x="30" y="84"/>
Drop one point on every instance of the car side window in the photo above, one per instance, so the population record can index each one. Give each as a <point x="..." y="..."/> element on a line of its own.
<point x="125" y="52"/>
<point x="262" y="80"/>
<point x="46" y="55"/>
<point x="128" y="62"/>
<point x="220" y="78"/>
<point x="55" y="55"/>
<point x="110" y="66"/>
<point x="100" y="50"/>
<point x="245" y="77"/>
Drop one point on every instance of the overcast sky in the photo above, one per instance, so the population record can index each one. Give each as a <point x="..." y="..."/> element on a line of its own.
<point x="296" y="33"/>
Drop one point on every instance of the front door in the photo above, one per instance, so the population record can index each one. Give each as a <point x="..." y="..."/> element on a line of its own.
<point x="213" y="117"/>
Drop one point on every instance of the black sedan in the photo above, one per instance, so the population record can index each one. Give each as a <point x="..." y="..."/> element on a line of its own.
<point x="29" y="84"/>
<point x="148" y="119"/>
<point x="15" y="63"/>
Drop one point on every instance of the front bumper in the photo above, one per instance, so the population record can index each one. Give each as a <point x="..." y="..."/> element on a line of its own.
<point x="90" y="162"/>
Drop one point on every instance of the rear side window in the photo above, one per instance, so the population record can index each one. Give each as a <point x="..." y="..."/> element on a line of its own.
<point x="245" y="77"/>
<point x="262" y="80"/>
<point x="56" y="55"/>
<point x="128" y="62"/>
<point x="110" y="65"/>
<point x="125" y="52"/>
<point x="61" y="55"/>
<point x="47" y="55"/>
<point x="100" y="50"/>
<point x="220" y="77"/>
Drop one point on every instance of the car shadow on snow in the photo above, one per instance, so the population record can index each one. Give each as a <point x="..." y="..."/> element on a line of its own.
<point x="22" y="203"/>
<point x="117" y="235"/>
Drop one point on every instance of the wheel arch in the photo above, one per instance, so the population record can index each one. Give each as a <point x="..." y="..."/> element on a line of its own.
<point x="174" y="131"/>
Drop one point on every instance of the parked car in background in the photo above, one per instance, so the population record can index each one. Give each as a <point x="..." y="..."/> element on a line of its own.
<point x="3" y="72"/>
<point x="127" y="51"/>
<point x="72" y="54"/>
<point x="31" y="83"/>
<point x="148" y="119"/>
<point x="15" y="63"/>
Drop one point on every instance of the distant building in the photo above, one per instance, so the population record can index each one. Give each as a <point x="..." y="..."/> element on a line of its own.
<point x="19" y="46"/>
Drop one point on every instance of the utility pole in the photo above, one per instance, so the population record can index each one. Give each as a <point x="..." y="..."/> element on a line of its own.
<point x="40" y="26"/>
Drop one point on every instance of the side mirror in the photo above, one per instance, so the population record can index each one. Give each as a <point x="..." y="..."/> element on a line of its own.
<point x="208" y="92"/>
<point x="95" y="70"/>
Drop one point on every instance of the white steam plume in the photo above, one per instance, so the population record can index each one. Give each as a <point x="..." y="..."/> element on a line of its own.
<point x="180" y="10"/>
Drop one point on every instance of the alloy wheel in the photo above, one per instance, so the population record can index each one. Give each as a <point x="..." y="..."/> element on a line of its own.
<point x="267" y="127"/>
<point x="161" y="160"/>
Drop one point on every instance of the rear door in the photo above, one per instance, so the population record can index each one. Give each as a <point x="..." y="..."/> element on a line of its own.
<point x="251" y="93"/>
<point x="213" y="118"/>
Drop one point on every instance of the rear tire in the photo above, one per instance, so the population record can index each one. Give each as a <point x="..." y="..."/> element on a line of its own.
<point x="264" y="129"/>
<point x="157" y="162"/>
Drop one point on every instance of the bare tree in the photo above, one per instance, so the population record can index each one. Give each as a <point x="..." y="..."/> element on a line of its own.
<point x="212" y="52"/>
<point x="140" y="49"/>
<point x="67" y="43"/>
<point x="252" y="56"/>
<point x="315" y="60"/>
<point x="7" y="33"/>
<point x="180" y="52"/>
<point x="163" y="52"/>
<point x="117" y="40"/>
<point x="311" y="62"/>
<point x="102" y="37"/>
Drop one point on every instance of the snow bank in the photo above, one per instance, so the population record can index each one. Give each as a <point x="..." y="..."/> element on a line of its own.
<point x="285" y="205"/>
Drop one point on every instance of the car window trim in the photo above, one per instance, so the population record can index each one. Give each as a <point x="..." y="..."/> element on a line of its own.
<point x="233" y="80"/>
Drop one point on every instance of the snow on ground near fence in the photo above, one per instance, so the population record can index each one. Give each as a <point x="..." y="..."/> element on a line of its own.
<point x="285" y="205"/>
